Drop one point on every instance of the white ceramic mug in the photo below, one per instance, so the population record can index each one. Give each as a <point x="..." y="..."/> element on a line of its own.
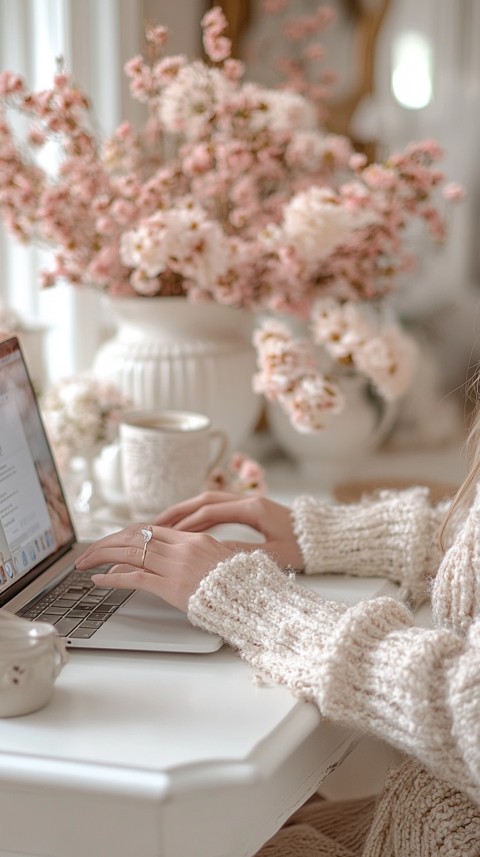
<point x="166" y="457"/>
<point x="31" y="657"/>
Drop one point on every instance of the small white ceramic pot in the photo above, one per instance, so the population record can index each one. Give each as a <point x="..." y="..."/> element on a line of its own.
<point x="32" y="655"/>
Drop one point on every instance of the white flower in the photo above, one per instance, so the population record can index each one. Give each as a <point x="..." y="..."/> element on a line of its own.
<point x="388" y="360"/>
<point x="282" y="361"/>
<point x="80" y="413"/>
<point x="307" y="149"/>
<point x="191" y="100"/>
<point x="142" y="248"/>
<point x="182" y="239"/>
<point x="340" y="328"/>
<point x="288" y="110"/>
<point x="313" y="397"/>
<point x="315" y="222"/>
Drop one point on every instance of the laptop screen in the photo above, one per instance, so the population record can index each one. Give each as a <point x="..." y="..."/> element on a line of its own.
<point x="35" y="525"/>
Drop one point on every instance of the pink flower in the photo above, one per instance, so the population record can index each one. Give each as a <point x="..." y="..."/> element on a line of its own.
<point x="358" y="161"/>
<point x="242" y="474"/>
<point x="157" y="36"/>
<point x="230" y="192"/>
<point x="454" y="192"/>
<point x="234" y="69"/>
<point x="10" y="84"/>
<point x="134" y="66"/>
<point x="376" y="176"/>
<point x="217" y="46"/>
<point x="35" y="136"/>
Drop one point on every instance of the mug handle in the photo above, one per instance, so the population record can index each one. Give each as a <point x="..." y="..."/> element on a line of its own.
<point x="221" y="438"/>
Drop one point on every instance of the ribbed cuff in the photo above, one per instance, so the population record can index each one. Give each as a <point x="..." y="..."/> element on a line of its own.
<point x="392" y="535"/>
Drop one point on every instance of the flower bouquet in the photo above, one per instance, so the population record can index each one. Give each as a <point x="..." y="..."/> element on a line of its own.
<point x="230" y="192"/>
<point x="81" y="414"/>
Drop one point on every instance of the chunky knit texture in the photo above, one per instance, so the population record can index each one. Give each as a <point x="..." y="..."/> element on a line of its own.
<point x="393" y="534"/>
<point x="324" y="829"/>
<point x="456" y="588"/>
<point x="369" y="667"/>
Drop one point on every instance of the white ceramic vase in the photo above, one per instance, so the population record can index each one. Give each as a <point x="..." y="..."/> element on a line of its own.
<point x="335" y="452"/>
<point x="171" y="353"/>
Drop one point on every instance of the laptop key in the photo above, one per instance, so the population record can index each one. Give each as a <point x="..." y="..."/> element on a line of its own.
<point x="64" y="602"/>
<point x="82" y="633"/>
<point x="54" y="610"/>
<point x="104" y="609"/>
<point x="46" y="616"/>
<point x="117" y="596"/>
<point x="76" y="591"/>
<point x="65" y="626"/>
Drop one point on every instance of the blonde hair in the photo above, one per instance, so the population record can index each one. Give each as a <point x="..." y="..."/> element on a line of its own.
<point x="465" y="493"/>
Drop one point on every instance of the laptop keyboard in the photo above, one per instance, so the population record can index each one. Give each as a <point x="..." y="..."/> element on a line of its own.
<point x="76" y="606"/>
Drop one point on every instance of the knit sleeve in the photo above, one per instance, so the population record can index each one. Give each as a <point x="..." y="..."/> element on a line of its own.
<point x="456" y="588"/>
<point x="365" y="666"/>
<point x="394" y="535"/>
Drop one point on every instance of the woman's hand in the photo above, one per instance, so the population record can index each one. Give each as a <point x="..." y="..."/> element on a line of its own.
<point x="172" y="566"/>
<point x="271" y="520"/>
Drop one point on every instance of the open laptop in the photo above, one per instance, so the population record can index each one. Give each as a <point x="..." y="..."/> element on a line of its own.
<point x="38" y="545"/>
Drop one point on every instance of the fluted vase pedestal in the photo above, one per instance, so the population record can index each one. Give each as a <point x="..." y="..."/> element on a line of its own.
<point x="170" y="353"/>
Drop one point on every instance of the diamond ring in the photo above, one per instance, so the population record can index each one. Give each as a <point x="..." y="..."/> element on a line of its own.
<point x="147" y="534"/>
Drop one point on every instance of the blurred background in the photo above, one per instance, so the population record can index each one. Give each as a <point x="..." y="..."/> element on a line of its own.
<point x="405" y="70"/>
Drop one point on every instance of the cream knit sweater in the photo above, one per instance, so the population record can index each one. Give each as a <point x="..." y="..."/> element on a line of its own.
<point x="368" y="666"/>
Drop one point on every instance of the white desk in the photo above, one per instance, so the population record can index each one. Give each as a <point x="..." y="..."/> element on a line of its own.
<point x="161" y="755"/>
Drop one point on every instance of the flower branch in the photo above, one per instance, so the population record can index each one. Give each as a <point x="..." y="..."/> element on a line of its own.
<point x="230" y="192"/>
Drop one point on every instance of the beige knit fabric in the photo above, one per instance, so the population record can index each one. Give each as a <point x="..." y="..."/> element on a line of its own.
<point x="415" y="815"/>
<point x="369" y="667"/>
<point x="393" y="534"/>
<point x="456" y="588"/>
<point x="324" y="829"/>
<point x="419" y="814"/>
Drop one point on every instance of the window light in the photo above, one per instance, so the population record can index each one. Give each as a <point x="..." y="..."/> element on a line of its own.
<point x="412" y="73"/>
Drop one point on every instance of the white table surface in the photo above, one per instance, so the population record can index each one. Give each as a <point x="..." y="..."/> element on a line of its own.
<point x="162" y="754"/>
<point x="168" y="755"/>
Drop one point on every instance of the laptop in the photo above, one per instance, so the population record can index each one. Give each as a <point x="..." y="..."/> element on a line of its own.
<point x="38" y="544"/>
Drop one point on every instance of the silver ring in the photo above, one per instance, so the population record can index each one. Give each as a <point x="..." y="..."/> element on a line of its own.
<point x="147" y="534"/>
